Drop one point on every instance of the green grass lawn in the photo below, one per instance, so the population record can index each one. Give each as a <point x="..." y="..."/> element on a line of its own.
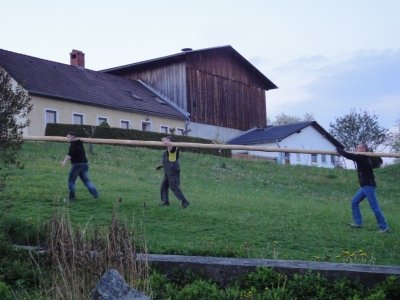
<point x="238" y="208"/>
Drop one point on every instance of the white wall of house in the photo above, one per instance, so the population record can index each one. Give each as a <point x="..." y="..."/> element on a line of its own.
<point x="308" y="139"/>
<point x="20" y="120"/>
<point x="64" y="113"/>
<point x="211" y="132"/>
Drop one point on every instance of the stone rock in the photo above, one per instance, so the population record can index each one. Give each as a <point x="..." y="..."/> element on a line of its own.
<point x="112" y="286"/>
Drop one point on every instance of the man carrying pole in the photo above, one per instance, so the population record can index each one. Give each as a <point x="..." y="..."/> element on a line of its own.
<point x="79" y="167"/>
<point x="171" y="180"/>
<point x="367" y="188"/>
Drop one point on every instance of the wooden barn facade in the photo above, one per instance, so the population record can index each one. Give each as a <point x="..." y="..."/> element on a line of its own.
<point x="216" y="86"/>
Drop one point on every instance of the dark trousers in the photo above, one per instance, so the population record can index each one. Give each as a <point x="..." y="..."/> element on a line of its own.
<point x="171" y="181"/>
<point x="81" y="170"/>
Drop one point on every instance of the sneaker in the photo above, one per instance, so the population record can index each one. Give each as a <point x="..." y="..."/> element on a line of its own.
<point x="71" y="196"/>
<point x="354" y="225"/>
<point x="386" y="230"/>
<point x="185" y="203"/>
<point x="163" y="203"/>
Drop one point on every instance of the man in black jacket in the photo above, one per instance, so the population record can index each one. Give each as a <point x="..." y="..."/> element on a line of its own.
<point x="367" y="188"/>
<point x="80" y="167"/>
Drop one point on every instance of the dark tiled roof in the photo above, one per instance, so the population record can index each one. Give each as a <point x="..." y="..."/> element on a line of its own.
<point x="278" y="133"/>
<point x="74" y="84"/>
<point x="178" y="57"/>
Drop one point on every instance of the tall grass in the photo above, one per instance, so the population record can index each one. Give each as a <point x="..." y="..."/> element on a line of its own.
<point x="78" y="258"/>
<point x="238" y="208"/>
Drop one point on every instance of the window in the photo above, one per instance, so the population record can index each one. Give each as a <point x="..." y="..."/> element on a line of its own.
<point x="125" y="124"/>
<point x="77" y="119"/>
<point x="51" y="116"/>
<point x="314" y="158"/>
<point x="146" y="126"/>
<point x="180" y="131"/>
<point x="323" y="158"/>
<point x="163" y="129"/>
<point x="298" y="156"/>
<point x="102" y="120"/>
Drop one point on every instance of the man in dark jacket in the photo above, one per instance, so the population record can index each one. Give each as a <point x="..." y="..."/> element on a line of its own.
<point x="80" y="167"/>
<point x="367" y="188"/>
<point x="171" y="180"/>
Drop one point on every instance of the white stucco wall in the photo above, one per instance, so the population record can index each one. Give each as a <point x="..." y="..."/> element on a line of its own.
<point x="215" y="133"/>
<point x="65" y="111"/>
<point x="308" y="139"/>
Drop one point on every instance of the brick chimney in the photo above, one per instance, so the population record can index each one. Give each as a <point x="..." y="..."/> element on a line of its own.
<point x="77" y="58"/>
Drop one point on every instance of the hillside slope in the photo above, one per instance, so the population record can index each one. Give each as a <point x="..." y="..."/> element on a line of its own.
<point x="238" y="208"/>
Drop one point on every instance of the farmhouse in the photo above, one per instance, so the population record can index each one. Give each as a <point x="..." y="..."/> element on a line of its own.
<point x="304" y="135"/>
<point x="71" y="94"/>
<point x="212" y="93"/>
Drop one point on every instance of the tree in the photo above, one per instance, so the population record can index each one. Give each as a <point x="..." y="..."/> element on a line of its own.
<point x="283" y="119"/>
<point x="396" y="138"/>
<point x="359" y="127"/>
<point x="14" y="109"/>
<point x="395" y="143"/>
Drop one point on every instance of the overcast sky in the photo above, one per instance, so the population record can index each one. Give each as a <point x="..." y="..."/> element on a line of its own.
<point x="326" y="56"/>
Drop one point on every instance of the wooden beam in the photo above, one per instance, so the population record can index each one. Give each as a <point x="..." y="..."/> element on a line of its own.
<point x="199" y="145"/>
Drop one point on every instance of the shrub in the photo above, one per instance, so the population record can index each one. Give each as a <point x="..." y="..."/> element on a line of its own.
<point x="346" y="289"/>
<point x="263" y="279"/>
<point x="308" y="286"/>
<point x="161" y="287"/>
<point x="5" y="291"/>
<point x="22" y="232"/>
<point x="200" y="290"/>
<point x="265" y="283"/>
<point x="16" y="268"/>
<point x="57" y="129"/>
<point x="390" y="288"/>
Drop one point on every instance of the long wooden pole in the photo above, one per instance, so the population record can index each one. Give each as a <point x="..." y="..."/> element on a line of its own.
<point x="199" y="145"/>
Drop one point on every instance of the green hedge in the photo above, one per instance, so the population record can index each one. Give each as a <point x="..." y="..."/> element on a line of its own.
<point x="104" y="132"/>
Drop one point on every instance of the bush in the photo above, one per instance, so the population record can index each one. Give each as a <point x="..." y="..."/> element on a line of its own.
<point x="57" y="129"/>
<point x="345" y="289"/>
<point x="308" y="286"/>
<point x="265" y="283"/>
<point x="390" y="288"/>
<point x="200" y="290"/>
<point x="5" y="291"/>
<point x="16" y="268"/>
<point x="263" y="279"/>
<point x="22" y="232"/>
<point x="161" y="287"/>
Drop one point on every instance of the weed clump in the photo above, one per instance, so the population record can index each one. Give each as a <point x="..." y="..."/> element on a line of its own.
<point x="78" y="258"/>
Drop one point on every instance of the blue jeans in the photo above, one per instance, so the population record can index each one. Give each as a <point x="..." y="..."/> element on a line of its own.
<point x="81" y="170"/>
<point x="369" y="193"/>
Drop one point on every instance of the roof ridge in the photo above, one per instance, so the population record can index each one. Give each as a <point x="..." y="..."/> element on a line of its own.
<point x="182" y="53"/>
<point x="56" y="80"/>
